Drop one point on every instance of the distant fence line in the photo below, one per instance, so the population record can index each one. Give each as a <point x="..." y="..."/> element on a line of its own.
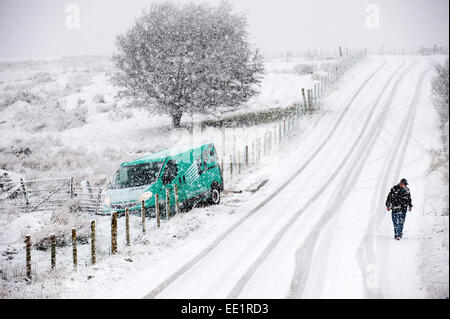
<point x="333" y="53"/>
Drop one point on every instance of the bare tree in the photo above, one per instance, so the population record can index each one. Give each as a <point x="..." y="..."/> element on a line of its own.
<point x="190" y="58"/>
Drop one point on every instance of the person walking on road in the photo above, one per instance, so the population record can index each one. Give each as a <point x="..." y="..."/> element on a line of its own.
<point x="399" y="199"/>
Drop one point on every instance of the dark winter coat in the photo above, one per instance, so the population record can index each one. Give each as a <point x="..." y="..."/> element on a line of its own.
<point x="399" y="198"/>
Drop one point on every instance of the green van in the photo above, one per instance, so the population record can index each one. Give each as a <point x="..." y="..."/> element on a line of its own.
<point x="195" y="171"/>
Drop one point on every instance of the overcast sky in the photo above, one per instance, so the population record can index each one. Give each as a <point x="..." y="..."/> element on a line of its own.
<point x="50" y="28"/>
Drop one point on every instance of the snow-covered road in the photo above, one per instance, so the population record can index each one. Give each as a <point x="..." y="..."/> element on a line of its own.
<point x="320" y="228"/>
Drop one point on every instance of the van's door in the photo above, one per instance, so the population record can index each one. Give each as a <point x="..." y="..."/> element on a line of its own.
<point x="194" y="185"/>
<point x="211" y="171"/>
<point x="180" y="181"/>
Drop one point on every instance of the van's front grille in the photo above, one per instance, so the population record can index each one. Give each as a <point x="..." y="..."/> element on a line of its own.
<point x="123" y="205"/>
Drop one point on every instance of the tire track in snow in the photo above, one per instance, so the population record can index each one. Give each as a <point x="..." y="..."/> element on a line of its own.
<point x="252" y="269"/>
<point x="221" y="237"/>
<point x="366" y="255"/>
<point x="304" y="253"/>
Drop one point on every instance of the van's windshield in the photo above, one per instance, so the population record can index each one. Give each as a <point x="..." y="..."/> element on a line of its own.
<point x="136" y="175"/>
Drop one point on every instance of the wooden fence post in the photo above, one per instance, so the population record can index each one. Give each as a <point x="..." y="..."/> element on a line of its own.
<point x="143" y="215"/>
<point x="264" y="143"/>
<point x="304" y="96"/>
<point x="314" y="94"/>
<point x="239" y="162"/>
<point x="71" y="187"/>
<point x="127" y="225"/>
<point x="259" y="149"/>
<point x="274" y="145"/>
<point x="157" y="210"/>
<point x="28" y="256"/>
<point x="279" y="135"/>
<point x="177" y="201"/>
<point x="53" y="251"/>
<point x="114" y="233"/>
<point x="93" y="258"/>
<point x="246" y="155"/>
<point x="275" y="142"/>
<point x="234" y="147"/>
<point x="25" y="194"/>
<point x="231" y="166"/>
<point x="223" y="144"/>
<point x="270" y="142"/>
<point x="309" y="99"/>
<point x="74" y="248"/>
<point x="167" y="204"/>
<point x="253" y="152"/>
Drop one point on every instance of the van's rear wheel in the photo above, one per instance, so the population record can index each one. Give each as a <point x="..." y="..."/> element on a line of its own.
<point x="215" y="195"/>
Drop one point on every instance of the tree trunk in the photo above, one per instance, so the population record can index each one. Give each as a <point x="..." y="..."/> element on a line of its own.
<point x="176" y="119"/>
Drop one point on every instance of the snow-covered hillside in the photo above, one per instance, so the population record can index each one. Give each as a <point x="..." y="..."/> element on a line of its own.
<point x="67" y="113"/>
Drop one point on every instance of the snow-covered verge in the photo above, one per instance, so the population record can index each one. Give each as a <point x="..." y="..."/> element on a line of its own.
<point x="434" y="252"/>
<point x="434" y="257"/>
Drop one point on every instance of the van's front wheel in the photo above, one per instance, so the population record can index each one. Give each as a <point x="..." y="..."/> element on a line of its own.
<point x="215" y="195"/>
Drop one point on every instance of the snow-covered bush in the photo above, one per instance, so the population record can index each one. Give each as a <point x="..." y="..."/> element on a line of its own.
<point x="21" y="95"/>
<point x="60" y="224"/>
<point x="98" y="98"/>
<point x="42" y="77"/>
<point x="318" y="75"/>
<point x="304" y="68"/>
<point x="440" y="90"/>
<point x="76" y="81"/>
<point x="328" y="66"/>
<point x="118" y="114"/>
<point x="187" y="58"/>
<point x="48" y="117"/>
<point x="105" y="107"/>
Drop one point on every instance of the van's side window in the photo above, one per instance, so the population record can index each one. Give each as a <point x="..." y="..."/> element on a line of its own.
<point x="170" y="172"/>
<point x="209" y="156"/>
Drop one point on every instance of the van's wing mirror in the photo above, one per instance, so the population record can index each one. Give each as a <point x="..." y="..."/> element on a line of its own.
<point x="199" y="168"/>
<point x="167" y="179"/>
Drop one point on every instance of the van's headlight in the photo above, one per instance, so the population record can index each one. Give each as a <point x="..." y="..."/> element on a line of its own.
<point x="145" y="196"/>
<point x="107" y="201"/>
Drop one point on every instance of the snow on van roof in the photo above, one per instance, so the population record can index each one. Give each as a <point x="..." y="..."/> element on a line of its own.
<point x="164" y="153"/>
